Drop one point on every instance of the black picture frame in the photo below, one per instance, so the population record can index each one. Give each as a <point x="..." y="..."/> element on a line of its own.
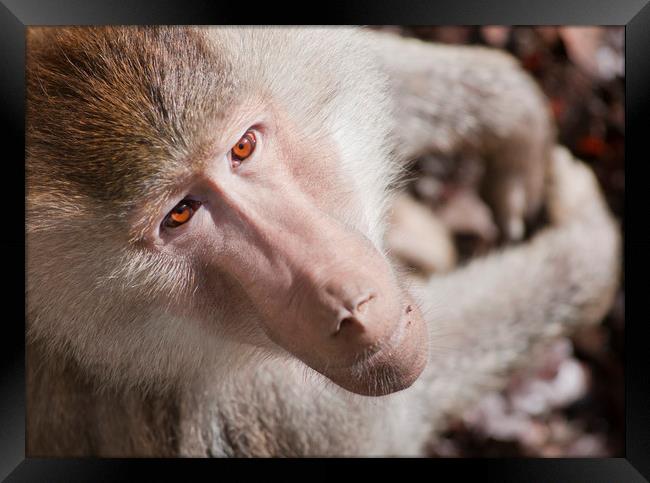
<point x="16" y="15"/>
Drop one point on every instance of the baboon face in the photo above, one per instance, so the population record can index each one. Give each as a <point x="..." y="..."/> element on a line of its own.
<point x="190" y="189"/>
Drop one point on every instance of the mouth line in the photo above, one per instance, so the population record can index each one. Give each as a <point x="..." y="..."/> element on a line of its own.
<point x="392" y="343"/>
<point x="379" y="349"/>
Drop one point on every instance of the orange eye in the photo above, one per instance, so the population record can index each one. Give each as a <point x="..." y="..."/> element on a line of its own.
<point x="244" y="147"/>
<point x="181" y="213"/>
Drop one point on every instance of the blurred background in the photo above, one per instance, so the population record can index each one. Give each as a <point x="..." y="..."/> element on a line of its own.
<point x="570" y="402"/>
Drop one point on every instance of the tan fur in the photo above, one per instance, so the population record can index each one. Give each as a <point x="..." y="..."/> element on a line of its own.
<point x="120" y="364"/>
<point x="473" y="103"/>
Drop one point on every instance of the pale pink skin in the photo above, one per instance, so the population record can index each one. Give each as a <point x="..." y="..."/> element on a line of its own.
<point x="322" y="290"/>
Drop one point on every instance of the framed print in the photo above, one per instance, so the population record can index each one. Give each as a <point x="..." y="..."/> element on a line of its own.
<point x="403" y="237"/>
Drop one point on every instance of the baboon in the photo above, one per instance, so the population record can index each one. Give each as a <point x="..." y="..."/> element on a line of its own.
<point x="206" y="269"/>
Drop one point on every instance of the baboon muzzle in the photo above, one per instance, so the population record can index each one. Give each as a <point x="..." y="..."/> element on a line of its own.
<point x="328" y="296"/>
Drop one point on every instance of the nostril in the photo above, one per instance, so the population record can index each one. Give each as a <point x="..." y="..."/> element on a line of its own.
<point x="350" y="326"/>
<point x="362" y="306"/>
<point x="347" y="321"/>
<point x="353" y="315"/>
<point x="359" y="304"/>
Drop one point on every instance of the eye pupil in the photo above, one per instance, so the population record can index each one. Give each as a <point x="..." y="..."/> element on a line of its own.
<point x="181" y="213"/>
<point x="244" y="148"/>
